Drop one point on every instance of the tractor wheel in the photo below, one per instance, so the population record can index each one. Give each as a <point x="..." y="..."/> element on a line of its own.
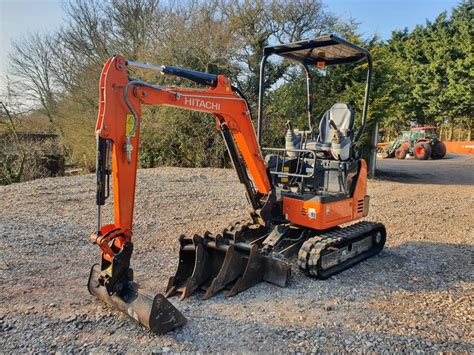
<point x="438" y="150"/>
<point x="401" y="153"/>
<point x="422" y="151"/>
<point x="384" y="154"/>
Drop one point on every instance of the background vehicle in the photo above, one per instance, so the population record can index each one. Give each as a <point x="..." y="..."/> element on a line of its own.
<point x="420" y="142"/>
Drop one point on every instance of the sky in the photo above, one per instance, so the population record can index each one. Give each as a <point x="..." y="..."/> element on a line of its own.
<point x="18" y="17"/>
<point x="384" y="16"/>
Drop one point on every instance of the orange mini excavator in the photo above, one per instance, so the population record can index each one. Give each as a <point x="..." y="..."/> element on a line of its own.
<point x="299" y="194"/>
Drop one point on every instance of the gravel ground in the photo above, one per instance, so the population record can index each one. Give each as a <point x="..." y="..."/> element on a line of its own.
<point x="416" y="295"/>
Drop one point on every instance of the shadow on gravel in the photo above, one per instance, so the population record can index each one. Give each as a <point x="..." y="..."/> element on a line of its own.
<point x="396" y="176"/>
<point x="454" y="169"/>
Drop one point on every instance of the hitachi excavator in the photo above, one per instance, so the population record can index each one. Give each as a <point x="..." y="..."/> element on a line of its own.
<point x="302" y="197"/>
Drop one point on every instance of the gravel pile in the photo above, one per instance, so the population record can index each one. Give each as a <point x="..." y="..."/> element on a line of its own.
<point x="416" y="295"/>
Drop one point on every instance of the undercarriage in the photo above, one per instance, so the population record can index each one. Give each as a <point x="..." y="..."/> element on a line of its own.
<point x="245" y="254"/>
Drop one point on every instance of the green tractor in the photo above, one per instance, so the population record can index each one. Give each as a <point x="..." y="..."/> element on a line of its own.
<point x="420" y="142"/>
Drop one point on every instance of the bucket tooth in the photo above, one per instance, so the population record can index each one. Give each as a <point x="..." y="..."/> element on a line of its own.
<point x="253" y="274"/>
<point x="232" y="267"/>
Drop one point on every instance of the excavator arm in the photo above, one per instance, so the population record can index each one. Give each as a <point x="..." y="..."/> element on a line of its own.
<point x="118" y="131"/>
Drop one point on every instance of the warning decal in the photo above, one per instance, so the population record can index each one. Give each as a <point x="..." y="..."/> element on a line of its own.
<point x="129" y="124"/>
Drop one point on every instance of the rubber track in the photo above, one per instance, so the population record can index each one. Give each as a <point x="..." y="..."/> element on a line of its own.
<point x="311" y="251"/>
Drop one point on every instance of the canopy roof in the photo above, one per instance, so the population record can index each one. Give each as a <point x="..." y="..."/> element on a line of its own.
<point x="329" y="49"/>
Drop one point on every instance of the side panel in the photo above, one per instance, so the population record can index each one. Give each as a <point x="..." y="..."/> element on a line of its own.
<point x="322" y="216"/>
<point x="460" y="147"/>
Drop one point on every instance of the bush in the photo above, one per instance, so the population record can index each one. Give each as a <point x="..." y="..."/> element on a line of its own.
<point x="30" y="159"/>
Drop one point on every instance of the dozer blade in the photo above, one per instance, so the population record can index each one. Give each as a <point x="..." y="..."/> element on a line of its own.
<point x="154" y="312"/>
<point x="277" y="270"/>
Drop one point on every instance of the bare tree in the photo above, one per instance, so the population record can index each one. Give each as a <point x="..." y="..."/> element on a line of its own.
<point x="87" y="33"/>
<point x="134" y="24"/>
<point x="259" y="23"/>
<point x="30" y="68"/>
<point x="61" y="71"/>
<point x="9" y="171"/>
<point x="299" y="19"/>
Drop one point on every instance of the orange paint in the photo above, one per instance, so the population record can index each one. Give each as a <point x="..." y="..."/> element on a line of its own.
<point x="331" y="214"/>
<point x="460" y="147"/>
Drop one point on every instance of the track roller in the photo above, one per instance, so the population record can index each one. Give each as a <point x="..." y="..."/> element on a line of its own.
<point x="330" y="253"/>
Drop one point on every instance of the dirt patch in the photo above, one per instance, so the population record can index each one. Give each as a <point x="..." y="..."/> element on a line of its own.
<point x="416" y="295"/>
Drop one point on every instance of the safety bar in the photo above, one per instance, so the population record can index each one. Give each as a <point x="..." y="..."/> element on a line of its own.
<point x="284" y="156"/>
<point x="196" y="76"/>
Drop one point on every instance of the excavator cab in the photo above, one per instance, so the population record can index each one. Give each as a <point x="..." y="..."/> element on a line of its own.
<point x="318" y="178"/>
<point x="299" y="195"/>
<point x="320" y="162"/>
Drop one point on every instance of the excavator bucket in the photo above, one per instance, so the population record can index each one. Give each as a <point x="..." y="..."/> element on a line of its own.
<point x="153" y="312"/>
<point x="216" y="262"/>
<point x="192" y="267"/>
<point x="226" y="271"/>
<point x="253" y="273"/>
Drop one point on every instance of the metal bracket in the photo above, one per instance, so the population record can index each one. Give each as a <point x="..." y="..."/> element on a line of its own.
<point x="115" y="275"/>
<point x="276" y="235"/>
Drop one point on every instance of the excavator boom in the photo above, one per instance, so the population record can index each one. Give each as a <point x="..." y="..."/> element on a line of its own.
<point x="119" y="124"/>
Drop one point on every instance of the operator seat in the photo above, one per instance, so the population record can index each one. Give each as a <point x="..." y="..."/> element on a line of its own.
<point x="336" y="131"/>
